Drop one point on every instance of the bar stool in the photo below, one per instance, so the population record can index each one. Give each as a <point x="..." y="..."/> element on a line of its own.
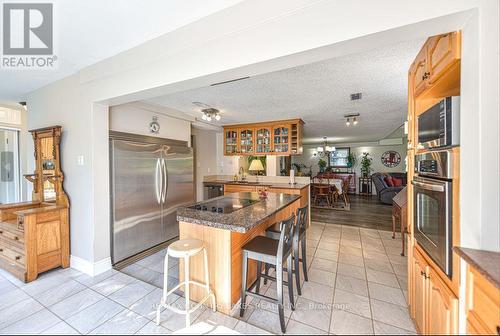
<point x="299" y="242"/>
<point x="275" y="252"/>
<point x="185" y="249"/>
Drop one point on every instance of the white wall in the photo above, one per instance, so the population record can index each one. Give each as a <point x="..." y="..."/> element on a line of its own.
<point x="135" y="118"/>
<point x="250" y="38"/>
<point x="205" y="145"/>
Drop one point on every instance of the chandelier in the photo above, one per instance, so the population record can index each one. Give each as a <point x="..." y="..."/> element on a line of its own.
<point x="210" y="113"/>
<point x="324" y="150"/>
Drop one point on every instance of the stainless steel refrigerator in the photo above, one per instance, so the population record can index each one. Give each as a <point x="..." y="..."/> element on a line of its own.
<point x="150" y="178"/>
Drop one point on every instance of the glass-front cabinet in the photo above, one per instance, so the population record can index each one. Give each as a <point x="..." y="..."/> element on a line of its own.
<point x="246" y="141"/>
<point x="281" y="139"/>
<point x="263" y="140"/>
<point x="230" y="141"/>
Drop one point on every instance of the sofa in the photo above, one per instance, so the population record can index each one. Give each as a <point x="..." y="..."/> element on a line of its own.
<point x="386" y="193"/>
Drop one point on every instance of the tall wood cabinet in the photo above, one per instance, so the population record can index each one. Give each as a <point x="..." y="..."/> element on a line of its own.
<point x="432" y="295"/>
<point x="34" y="236"/>
<point x="270" y="138"/>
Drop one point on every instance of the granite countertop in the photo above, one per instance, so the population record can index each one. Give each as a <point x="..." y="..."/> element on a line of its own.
<point x="242" y="220"/>
<point x="263" y="184"/>
<point x="487" y="263"/>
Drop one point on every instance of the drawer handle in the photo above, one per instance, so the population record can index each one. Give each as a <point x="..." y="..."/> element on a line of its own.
<point x="16" y="238"/>
<point x="1" y="249"/>
<point x="1" y="232"/>
<point x="18" y="257"/>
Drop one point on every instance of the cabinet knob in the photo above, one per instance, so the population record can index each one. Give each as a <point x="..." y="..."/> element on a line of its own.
<point x="16" y="238"/>
<point x="18" y="257"/>
<point x="1" y="249"/>
<point x="1" y="232"/>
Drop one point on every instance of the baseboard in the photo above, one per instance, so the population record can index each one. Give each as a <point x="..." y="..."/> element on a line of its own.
<point x="88" y="267"/>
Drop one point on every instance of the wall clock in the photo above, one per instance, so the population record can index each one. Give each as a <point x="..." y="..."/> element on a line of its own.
<point x="154" y="126"/>
<point x="391" y="159"/>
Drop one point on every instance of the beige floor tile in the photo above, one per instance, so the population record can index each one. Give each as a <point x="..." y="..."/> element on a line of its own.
<point x="384" y="278"/>
<point x="344" y="323"/>
<point x="353" y="303"/>
<point x="352" y="285"/>
<point x="351" y="259"/>
<point x="400" y="270"/>
<point x="266" y="320"/>
<point x="330" y="239"/>
<point x="386" y="293"/>
<point x="351" y="243"/>
<point x="351" y="250"/>
<point x="317" y="292"/>
<point x="322" y="277"/>
<point x="328" y="246"/>
<point x="351" y="270"/>
<point x="350" y="236"/>
<point x="380" y="328"/>
<point x="392" y="314"/>
<point x="324" y="264"/>
<point x="327" y="254"/>
<point x="297" y="328"/>
<point x="312" y="313"/>
<point x="379" y="265"/>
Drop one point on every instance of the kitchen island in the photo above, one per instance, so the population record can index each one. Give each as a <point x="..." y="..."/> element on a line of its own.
<point x="225" y="224"/>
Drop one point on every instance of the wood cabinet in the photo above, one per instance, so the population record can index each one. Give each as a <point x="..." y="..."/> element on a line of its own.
<point x="34" y="236"/>
<point x="434" y="306"/>
<point x="263" y="140"/>
<point x="438" y="54"/>
<point x="482" y="305"/>
<point x="443" y="51"/>
<point x="270" y="138"/>
<point x="231" y="145"/>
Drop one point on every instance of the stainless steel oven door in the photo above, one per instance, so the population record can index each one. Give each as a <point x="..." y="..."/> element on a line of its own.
<point x="432" y="219"/>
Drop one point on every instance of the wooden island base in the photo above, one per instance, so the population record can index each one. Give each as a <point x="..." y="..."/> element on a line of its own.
<point x="224" y="258"/>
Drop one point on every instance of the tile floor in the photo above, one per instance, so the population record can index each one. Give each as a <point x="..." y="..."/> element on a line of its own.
<point x="357" y="285"/>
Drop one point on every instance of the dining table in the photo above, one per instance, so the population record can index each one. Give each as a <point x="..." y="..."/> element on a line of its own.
<point x="322" y="184"/>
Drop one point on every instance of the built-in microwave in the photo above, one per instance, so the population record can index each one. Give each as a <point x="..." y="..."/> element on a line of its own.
<point x="439" y="126"/>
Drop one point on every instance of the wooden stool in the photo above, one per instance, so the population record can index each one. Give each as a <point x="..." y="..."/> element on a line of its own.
<point x="299" y="243"/>
<point x="185" y="249"/>
<point x="275" y="252"/>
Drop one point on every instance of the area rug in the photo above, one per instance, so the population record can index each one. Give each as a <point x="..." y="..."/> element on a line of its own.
<point x="338" y="207"/>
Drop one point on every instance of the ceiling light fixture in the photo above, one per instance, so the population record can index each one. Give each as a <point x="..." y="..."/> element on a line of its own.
<point x="351" y="119"/>
<point x="324" y="150"/>
<point x="210" y="113"/>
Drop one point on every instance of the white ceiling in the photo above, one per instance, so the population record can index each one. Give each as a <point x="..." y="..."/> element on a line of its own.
<point x="319" y="93"/>
<point x="88" y="31"/>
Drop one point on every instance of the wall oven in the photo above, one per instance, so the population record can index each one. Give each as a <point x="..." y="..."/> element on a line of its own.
<point x="432" y="197"/>
<point x="439" y="126"/>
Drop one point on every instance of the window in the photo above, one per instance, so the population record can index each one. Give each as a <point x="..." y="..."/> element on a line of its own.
<point x="338" y="158"/>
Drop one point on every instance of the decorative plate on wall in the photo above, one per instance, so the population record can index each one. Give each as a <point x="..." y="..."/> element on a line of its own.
<point x="391" y="159"/>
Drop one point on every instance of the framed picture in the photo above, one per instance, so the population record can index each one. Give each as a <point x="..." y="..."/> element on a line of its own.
<point x="391" y="159"/>
<point x="338" y="158"/>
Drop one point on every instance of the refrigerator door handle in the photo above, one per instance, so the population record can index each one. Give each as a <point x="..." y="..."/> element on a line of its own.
<point x="164" y="180"/>
<point x="158" y="180"/>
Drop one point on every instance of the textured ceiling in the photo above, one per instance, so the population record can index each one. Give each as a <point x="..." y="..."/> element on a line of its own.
<point x="319" y="93"/>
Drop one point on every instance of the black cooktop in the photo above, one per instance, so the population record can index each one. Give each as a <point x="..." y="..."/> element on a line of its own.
<point x="224" y="205"/>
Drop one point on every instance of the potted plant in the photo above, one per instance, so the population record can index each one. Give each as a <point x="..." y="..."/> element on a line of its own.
<point x="366" y="164"/>
<point x="321" y="165"/>
<point x="298" y="167"/>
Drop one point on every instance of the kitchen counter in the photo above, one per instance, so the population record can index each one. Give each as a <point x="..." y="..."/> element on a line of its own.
<point x="487" y="263"/>
<point x="242" y="220"/>
<point x="224" y="235"/>
<point x="261" y="184"/>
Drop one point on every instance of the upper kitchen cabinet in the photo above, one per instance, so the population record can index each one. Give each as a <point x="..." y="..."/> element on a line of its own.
<point x="263" y="140"/>
<point x="231" y="146"/>
<point x="270" y="138"/>
<point x="438" y="54"/>
<point x="247" y="140"/>
<point x="443" y="51"/>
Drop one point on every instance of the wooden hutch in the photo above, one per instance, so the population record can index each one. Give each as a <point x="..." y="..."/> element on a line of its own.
<point x="282" y="137"/>
<point x="34" y="236"/>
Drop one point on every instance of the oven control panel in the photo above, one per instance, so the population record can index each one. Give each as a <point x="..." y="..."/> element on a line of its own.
<point x="435" y="164"/>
